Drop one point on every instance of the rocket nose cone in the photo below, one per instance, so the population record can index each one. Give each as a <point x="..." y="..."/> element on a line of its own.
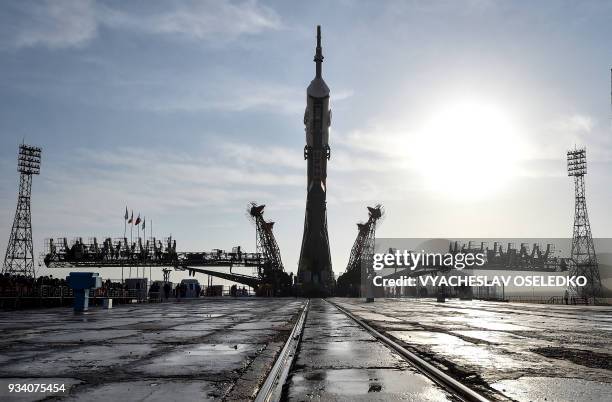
<point x="318" y="88"/>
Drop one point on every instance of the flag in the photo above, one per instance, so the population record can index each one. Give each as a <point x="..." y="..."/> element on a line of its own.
<point x="144" y="222"/>
<point x="137" y="220"/>
<point x="132" y="218"/>
<point x="126" y="214"/>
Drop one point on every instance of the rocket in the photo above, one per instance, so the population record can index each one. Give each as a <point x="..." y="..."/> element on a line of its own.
<point x="315" y="275"/>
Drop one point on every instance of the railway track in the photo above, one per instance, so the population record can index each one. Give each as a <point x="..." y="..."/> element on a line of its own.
<point x="274" y="387"/>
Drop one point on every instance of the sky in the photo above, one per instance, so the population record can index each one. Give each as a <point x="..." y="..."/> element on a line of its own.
<point x="455" y="115"/>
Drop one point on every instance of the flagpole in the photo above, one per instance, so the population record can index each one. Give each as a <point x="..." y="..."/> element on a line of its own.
<point x="129" y="248"/>
<point x="144" y="239"/>
<point x="135" y="243"/>
<point x="125" y="218"/>
<point x="144" y="233"/>
<point x="138" y="236"/>
<point x="131" y="241"/>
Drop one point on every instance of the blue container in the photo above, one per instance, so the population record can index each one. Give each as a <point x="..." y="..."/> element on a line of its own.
<point x="81" y="282"/>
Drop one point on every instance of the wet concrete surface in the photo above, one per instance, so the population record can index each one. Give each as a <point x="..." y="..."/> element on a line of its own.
<point x="191" y="350"/>
<point x="526" y="352"/>
<point x="339" y="361"/>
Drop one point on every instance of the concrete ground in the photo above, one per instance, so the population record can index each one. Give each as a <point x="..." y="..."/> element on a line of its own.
<point x="193" y="350"/>
<point x="221" y="349"/>
<point x="528" y="352"/>
<point x="340" y="361"/>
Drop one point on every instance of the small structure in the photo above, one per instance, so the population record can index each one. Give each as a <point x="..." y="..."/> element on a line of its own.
<point x="137" y="288"/>
<point x="81" y="282"/>
<point x="190" y="288"/>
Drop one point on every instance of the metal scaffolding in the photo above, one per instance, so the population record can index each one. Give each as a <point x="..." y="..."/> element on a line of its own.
<point x="360" y="259"/>
<point x="583" y="257"/>
<point x="266" y="243"/>
<point x="19" y="257"/>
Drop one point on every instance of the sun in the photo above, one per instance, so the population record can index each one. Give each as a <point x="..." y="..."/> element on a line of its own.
<point x="467" y="149"/>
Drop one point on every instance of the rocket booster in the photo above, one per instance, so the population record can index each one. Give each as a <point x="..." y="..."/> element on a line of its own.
<point x="317" y="119"/>
<point x="314" y="269"/>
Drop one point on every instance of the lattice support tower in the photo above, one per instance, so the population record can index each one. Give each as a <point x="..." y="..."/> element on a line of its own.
<point x="362" y="251"/>
<point x="583" y="257"/>
<point x="19" y="257"/>
<point x="266" y="242"/>
<point x="366" y="235"/>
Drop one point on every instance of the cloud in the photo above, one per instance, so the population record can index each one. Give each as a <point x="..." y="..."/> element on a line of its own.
<point x="279" y="157"/>
<point x="74" y="23"/>
<point x="88" y="190"/>
<point x="225" y="93"/>
<point x="160" y="169"/>
<point x="553" y="136"/>
<point x="56" y="23"/>
<point x="200" y="19"/>
<point x="378" y="149"/>
<point x="576" y="124"/>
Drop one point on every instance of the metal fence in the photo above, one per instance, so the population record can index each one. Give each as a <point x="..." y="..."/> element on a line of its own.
<point x="53" y="296"/>
<point x="591" y="301"/>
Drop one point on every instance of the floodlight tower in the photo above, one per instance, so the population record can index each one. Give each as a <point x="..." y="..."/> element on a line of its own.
<point x="19" y="258"/>
<point x="584" y="260"/>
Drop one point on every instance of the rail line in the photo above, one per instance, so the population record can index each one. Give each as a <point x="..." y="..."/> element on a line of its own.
<point x="445" y="381"/>
<point x="272" y="389"/>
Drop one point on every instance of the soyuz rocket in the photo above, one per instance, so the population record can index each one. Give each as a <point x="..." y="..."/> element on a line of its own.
<point x="315" y="275"/>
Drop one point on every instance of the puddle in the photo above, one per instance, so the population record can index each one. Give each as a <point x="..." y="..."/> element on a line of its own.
<point x="66" y="361"/>
<point x="348" y="354"/>
<point x="466" y="355"/>
<point x="363" y="385"/>
<point x="546" y="389"/>
<point x="210" y="358"/>
<point x="428" y="338"/>
<point x="376" y="317"/>
<point x="80" y="336"/>
<point x="260" y="325"/>
<point x="491" y="336"/>
<point x="152" y="391"/>
<point x="498" y="326"/>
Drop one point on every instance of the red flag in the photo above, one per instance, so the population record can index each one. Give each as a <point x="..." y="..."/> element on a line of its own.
<point x="132" y="218"/>
<point x="137" y="220"/>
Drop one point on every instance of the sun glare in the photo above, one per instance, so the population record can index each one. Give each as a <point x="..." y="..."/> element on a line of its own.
<point x="467" y="149"/>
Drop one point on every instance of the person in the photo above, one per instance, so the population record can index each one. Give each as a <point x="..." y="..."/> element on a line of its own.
<point x="566" y="297"/>
<point x="167" y="288"/>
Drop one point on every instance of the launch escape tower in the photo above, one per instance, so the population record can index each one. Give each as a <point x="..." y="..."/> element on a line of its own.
<point x="315" y="276"/>
<point x="19" y="258"/>
<point x="350" y="283"/>
<point x="584" y="260"/>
